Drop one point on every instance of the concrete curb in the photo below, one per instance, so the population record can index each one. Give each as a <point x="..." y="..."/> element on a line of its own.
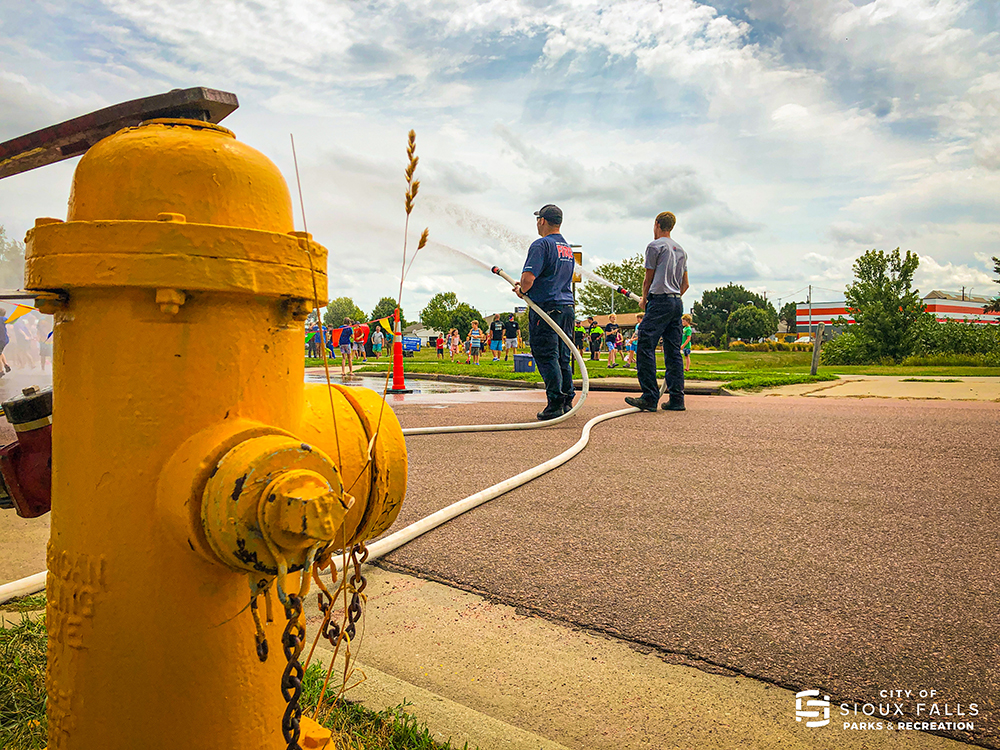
<point x="489" y="674"/>
<point x="617" y="384"/>
<point x="447" y="720"/>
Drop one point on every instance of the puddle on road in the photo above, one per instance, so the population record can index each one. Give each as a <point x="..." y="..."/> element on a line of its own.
<point x="377" y="383"/>
<point x="433" y="393"/>
<point x="424" y="391"/>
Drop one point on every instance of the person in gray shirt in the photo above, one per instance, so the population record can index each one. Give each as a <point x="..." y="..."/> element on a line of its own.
<point x="666" y="280"/>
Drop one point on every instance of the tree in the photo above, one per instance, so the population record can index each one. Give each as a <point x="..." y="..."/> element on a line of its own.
<point x="386" y="307"/>
<point x="11" y="261"/>
<point x="711" y="315"/>
<point x="749" y="323"/>
<point x="595" y="298"/>
<point x="340" y="308"/>
<point x="994" y="305"/>
<point x="788" y="315"/>
<point x="437" y="313"/>
<point x="462" y="317"/>
<point x="886" y="309"/>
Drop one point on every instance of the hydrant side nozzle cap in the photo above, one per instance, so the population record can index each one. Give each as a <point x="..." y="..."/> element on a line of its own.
<point x="30" y="406"/>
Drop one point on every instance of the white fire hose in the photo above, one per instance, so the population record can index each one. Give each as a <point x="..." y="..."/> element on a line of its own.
<point x="35" y="583"/>
<point x="394" y="541"/>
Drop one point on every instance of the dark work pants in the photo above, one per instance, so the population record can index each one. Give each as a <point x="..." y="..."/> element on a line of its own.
<point x="661" y="322"/>
<point x="552" y="356"/>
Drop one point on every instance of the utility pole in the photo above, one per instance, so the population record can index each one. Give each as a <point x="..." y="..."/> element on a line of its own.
<point x="810" y="309"/>
<point x="577" y="261"/>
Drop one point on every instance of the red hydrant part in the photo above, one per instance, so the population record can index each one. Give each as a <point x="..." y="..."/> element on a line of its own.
<point x="26" y="465"/>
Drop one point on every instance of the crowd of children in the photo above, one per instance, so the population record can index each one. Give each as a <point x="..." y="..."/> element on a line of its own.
<point x="590" y="336"/>
<point x="25" y="343"/>
<point x="501" y="336"/>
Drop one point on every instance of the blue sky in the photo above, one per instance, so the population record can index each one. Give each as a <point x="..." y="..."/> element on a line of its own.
<point x="788" y="136"/>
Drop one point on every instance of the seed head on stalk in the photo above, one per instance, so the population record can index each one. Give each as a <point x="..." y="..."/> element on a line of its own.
<point x="412" y="188"/>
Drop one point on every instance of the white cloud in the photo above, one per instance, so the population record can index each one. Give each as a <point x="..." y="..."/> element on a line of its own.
<point x="933" y="275"/>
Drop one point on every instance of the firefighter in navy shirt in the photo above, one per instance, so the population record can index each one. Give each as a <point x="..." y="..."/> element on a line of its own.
<point x="547" y="280"/>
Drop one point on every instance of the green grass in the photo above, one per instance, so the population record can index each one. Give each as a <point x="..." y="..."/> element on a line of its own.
<point x="25" y="603"/>
<point x="758" y="381"/>
<point x="22" y="700"/>
<point x="801" y="361"/>
<point x="22" y="685"/>
<point x="725" y="367"/>
<point x="355" y="727"/>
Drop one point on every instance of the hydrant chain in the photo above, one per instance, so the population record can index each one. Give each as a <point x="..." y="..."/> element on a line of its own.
<point x="292" y="641"/>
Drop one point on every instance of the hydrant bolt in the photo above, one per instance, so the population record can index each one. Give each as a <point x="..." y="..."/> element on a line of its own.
<point x="170" y="300"/>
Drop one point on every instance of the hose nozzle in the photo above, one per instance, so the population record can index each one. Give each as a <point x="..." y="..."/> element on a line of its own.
<point x="626" y="293"/>
<point x="503" y="275"/>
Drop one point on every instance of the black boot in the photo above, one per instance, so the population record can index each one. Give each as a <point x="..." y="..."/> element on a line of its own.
<point x="552" y="410"/>
<point x="640" y="402"/>
<point x="567" y="403"/>
<point x="676" y="403"/>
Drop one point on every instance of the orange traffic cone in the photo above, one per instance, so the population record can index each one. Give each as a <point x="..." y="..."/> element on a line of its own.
<point x="398" y="384"/>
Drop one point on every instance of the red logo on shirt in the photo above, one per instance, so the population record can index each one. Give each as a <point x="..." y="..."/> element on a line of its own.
<point x="565" y="251"/>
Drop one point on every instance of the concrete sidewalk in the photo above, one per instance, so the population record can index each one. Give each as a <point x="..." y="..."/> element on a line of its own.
<point x="486" y="674"/>
<point x="905" y="387"/>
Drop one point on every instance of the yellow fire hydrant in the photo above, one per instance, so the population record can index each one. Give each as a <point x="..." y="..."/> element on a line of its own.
<point x="191" y="465"/>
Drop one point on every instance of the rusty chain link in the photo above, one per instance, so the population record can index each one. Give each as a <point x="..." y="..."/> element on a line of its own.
<point x="356" y="585"/>
<point x="292" y="641"/>
<point x="259" y="636"/>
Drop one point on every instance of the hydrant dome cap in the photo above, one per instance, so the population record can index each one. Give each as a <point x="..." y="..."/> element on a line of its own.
<point x="187" y="167"/>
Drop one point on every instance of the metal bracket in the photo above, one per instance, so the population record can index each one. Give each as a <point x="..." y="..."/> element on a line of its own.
<point x="74" y="137"/>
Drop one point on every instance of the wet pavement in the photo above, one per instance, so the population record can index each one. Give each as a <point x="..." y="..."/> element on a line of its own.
<point x="842" y="545"/>
<point x="377" y="382"/>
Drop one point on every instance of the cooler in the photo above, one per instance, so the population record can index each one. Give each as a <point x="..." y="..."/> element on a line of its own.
<point x="524" y="363"/>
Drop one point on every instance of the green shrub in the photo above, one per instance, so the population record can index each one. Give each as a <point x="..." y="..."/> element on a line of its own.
<point x="956" y="337"/>
<point x="845" y="349"/>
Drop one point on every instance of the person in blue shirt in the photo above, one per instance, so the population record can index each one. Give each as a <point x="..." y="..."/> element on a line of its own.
<point x="344" y="342"/>
<point x="547" y="280"/>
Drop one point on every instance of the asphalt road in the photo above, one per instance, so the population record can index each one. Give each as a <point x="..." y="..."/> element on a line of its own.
<point x="844" y="545"/>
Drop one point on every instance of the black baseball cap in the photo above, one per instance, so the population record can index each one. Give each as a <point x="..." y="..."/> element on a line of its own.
<point x="551" y="213"/>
